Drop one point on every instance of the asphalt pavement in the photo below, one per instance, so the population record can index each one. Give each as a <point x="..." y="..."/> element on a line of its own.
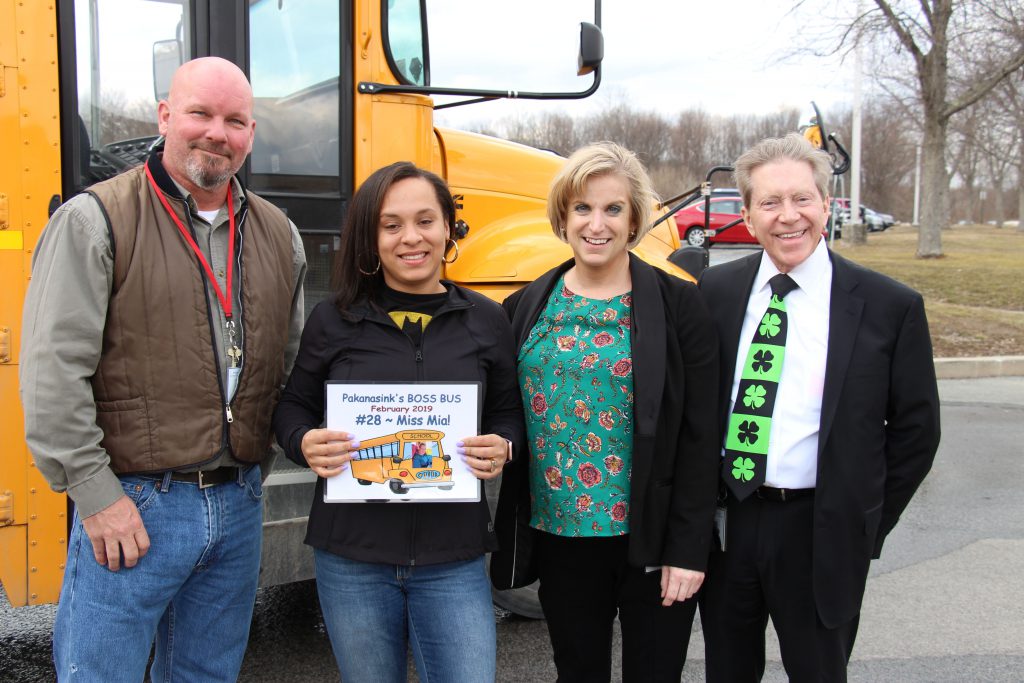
<point x="944" y="603"/>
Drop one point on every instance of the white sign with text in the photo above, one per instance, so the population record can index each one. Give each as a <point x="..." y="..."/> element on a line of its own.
<point x="408" y="435"/>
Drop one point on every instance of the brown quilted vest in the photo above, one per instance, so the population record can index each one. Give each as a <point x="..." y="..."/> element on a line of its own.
<point x="157" y="388"/>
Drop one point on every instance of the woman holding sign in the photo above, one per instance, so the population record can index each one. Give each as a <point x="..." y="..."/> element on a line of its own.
<point x="612" y="506"/>
<point x="391" y="575"/>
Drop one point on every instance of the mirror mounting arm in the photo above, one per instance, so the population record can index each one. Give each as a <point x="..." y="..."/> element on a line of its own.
<point x="591" y="55"/>
<point x="371" y="88"/>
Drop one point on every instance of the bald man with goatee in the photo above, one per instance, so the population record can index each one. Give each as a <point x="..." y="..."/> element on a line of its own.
<point x="163" y="314"/>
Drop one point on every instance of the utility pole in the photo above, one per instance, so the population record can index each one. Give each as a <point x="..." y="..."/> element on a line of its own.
<point x="917" y="187"/>
<point x="858" y="231"/>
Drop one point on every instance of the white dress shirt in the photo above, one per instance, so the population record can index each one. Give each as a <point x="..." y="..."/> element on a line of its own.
<point x="793" y="444"/>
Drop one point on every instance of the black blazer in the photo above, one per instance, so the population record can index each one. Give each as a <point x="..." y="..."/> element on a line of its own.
<point x="675" y="441"/>
<point x="879" y="415"/>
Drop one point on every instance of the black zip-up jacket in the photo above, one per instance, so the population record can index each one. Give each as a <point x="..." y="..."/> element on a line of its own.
<point x="468" y="340"/>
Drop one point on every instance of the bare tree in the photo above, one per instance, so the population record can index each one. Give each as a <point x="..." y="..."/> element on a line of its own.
<point x="965" y="155"/>
<point x="552" y="131"/>
<point x="119" y="118"/>
<point x="887" y="159"/>
<point x="999" y="146"/>
<point x="700" y="140"/>
<point x="1009" y="99"/>
<point x="930" y="32"/>
<point x="644" y="132"/>
<point x="887" y="153"/>
<point x="1017" y="94"/>
<point x="689" y="143"/>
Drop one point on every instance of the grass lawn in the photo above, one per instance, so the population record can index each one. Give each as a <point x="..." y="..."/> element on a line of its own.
<point x="974" y="295"/>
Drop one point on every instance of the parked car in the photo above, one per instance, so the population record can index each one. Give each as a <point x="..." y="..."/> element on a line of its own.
<point x="724" y="210"/>
<point x="875" y="221"/>
<point x="872" y="219"/>
<point x="887" y="220"/>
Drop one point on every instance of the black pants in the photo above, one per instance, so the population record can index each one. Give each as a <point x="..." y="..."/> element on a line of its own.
<point x="766" y="570"/>
<point x="584" y="583"/>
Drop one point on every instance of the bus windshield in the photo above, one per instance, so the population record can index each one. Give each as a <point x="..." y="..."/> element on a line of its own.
<point x="117" y="96"/>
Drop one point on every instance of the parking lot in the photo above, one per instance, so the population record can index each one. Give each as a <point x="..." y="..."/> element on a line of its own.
<point x="944" y="603"/>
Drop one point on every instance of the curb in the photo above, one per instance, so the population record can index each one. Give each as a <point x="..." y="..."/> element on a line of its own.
<point x="979" y="366"/>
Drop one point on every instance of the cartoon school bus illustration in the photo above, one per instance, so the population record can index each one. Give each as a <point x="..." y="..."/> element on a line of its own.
<point x="409" y="459"/>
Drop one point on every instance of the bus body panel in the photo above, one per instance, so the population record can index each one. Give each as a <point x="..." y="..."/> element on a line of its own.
<point x="33" y="519"/>
<point x="500" y="188"/>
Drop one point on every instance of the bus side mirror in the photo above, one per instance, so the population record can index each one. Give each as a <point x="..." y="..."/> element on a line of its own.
<point x="591" y="48"/>
<point x="166" y="60"/>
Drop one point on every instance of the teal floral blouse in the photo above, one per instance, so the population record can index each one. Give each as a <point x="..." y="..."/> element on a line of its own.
<point x="576" y="379"/>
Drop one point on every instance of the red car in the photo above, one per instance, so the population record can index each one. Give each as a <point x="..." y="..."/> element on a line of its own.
<point x="724" y="210"/>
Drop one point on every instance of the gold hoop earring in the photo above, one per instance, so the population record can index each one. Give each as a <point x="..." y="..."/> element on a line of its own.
<point x="454" y="244"/>
<point x="372" y="272"/>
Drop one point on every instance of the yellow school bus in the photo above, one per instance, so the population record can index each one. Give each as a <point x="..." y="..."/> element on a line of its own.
<point x="341" y="87"/>
<point x="405" y="460"/>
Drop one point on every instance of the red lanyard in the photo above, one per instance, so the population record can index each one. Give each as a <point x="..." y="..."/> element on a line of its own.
<point x="225" y="301"/>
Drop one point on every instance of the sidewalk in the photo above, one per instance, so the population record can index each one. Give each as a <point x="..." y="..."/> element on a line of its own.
<point x="979" y="366"/>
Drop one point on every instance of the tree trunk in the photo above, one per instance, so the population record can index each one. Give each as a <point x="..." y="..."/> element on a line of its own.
<point x="933" y="75"/>
<point x="968" y="199"/>
<point x="1000" y="209"/>
<point x="1020" y="197"/>
<point x="1020" y="180"/>
<point x="934" y="189"/>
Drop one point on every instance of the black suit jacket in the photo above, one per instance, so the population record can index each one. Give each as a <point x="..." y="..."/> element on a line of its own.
<point x="879" y="415"/>
<point x="675" y="436"/>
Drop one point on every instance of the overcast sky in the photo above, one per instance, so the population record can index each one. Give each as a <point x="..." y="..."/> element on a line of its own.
<point x="665" y="55"/>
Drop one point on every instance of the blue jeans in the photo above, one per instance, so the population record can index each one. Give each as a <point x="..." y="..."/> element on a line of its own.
<point x="373" y="612"/>
<point x="193" y="591"/>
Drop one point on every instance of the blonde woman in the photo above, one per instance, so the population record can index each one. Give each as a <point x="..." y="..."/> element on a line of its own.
<point x="618" y="369"/>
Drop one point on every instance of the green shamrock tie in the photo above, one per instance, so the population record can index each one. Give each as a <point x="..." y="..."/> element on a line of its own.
<point x="746" y="441"/>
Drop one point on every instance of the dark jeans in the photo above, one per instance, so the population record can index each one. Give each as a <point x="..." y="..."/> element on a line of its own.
<point x="584" y="583"/>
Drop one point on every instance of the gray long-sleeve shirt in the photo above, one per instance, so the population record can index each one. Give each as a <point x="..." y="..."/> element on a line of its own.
<point x="62" y="339"/>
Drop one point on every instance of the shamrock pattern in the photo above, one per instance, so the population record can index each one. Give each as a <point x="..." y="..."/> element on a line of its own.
<point x="763" y="360"/>
<point x="753" y="397"/>
<point x="746" y="444"/>
<point x="743" y="468"/>
<point x="577" y="360"/>
<point x="748" y="432"/>
<point x="771" y="323"/>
